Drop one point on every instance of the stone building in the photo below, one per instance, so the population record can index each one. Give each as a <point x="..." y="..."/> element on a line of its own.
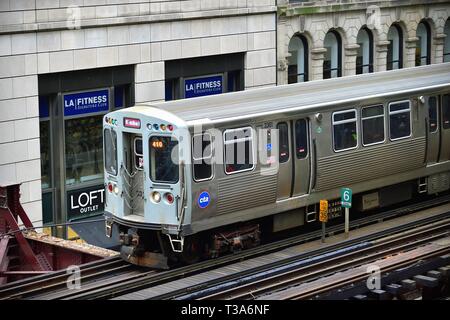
<point x="322" y="39"/>
<point x="65" y="63"/>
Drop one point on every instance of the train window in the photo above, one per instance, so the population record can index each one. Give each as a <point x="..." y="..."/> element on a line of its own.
<point x="301" y="139"/>
<point x="283" y="139"/>
<point x="138" y="154"/>
<point x="238" y="145"/>
<point x="432" y="114"/>
<point x="110" y="143"/>
<point x="372" y="125"/>
<point x="164" y="160"/>
<point x="202" y="156"/>
<point x="345" y="134"/>
<point x="446" y="111"/>
<point x="399" y="120"/>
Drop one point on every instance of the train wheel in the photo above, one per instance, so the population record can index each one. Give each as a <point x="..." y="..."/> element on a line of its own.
<point x="192" y="250"/>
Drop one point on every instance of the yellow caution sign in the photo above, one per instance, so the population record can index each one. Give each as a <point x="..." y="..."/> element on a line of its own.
<point x="323" y="214"/>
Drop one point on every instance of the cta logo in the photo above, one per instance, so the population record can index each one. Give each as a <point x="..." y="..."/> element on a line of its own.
<point x="203" y="199"/>
<point x="111" y="121"/>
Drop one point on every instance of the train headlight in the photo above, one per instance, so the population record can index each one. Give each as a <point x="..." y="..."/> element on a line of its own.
<point x="169" y="197"/>
<point x="116" y="189"/>
<point x="156" y="196"/>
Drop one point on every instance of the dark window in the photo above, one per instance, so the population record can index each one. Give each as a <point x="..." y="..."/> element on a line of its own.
<point x="345" y="133"/>
<point x="373" y="125"/>
<point x="364" y="58"/>
<point x="46" y="178"/>
<point x="164" y="161"/>
<point x="446" y="111"/>
<point x="301" y="139"/>
<point x="238" y="144"/>
<point x="433" y="114"/>
<point x="298" y="59"/>
<point x="332" y="66"/>
<point x="283" y="135"/>
<point x="423" y="46"/>
<point x="138" y="154"/>
<point x="395" y="48"/>
<point x="202" y="155"/>
<point x="84" y="149"/>
<point x="110" y="143"/>
<point x="399" y="120"/>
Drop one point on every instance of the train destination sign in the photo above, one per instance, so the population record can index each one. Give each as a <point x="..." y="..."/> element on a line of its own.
<point x="86" y="201"/>
<point x="205" y="86"/>
<point x="86" y="102"/>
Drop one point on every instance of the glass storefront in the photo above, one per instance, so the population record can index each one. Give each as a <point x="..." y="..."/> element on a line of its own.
<point x="71" y="110"/>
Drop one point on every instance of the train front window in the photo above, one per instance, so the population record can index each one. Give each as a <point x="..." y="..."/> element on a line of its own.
<point x="164" y="160"/>
<point x="399" y="120"/>
<point x="372" y="125"/>
<point x="446" y="111"/>
<point x="345" y="134"/>
<point x="110" y="142"/>
<point x="238" y="145"/>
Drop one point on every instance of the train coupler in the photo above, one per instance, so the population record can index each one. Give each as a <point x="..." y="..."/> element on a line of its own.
<point x="145" y="259"/>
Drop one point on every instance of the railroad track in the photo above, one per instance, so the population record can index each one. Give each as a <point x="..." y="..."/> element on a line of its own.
<point x="57" y="280"/>
<point x="269" y="281"/>
<point x="116" y="286"/>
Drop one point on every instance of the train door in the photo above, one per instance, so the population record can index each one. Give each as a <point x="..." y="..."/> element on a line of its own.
<point x="301" y="156"/>
<point x="133" y="174"/>
<point x="434" y="136"/>
<point x="445" y="128"/>
<point x="285" y="160"/>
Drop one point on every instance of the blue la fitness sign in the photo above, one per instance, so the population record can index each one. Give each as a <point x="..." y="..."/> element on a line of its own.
<point x="205" y="86"/>
<point x="203" y="199"/>
<point x="86" y="102"/>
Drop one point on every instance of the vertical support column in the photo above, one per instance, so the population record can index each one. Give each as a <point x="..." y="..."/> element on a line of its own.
<point x="350" y="53"/>
<point x="282" y="51"/>
<point x="410" y="52"/>
<point x="381" y="56"/>
<point x="317" y="58"/>
<point x="438" y="46"/>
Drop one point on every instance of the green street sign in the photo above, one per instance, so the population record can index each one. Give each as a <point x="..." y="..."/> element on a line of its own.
<point x="346" y="197"/>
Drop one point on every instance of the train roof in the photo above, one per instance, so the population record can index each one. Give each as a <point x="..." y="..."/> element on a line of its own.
<point x="293" y="97"/>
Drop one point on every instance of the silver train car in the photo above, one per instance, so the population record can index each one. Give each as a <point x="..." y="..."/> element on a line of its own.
<point x="198" y="177"/>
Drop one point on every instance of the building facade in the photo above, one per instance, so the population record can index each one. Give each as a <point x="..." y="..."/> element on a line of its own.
<point x="323" y="39"/>
<point x="65" y="63"/>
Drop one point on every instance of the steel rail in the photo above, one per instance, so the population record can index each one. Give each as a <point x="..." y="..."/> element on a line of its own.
<point x="151" y="278"/>
<point x="381" y="248"/>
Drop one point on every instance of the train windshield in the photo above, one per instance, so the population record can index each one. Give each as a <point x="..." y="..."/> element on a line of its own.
<point x="164" y="159"/>
<point x="110" y="137"/>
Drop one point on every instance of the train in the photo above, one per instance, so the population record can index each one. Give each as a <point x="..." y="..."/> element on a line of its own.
<point x="196" y="178"/>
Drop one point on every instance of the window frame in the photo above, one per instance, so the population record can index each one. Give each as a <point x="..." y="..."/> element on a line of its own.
<point x="150" y="158"/>
<point x="104" y="152"/>
<point x="253" y="151"/>
<point x="373" y="117"/>
<point x="288" y="144"/>
<point x="436" y="130"/>
<point x="307" y="131"/>
<point x="397" y="112"/>
<point x="202" y="158"/>
<point x="442" y="123"/>
<point x="333" y="123"/>
<point x="137" y="154"/>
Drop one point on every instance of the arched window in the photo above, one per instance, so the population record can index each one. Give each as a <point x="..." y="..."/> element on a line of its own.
<point x="423" y="47"/>
<point x="298" y="60"/>
<point x="395" y="48"/>
<point x="364" y="59"/>
<point x="447" y="41"/>
<point x="332" y="64"/>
